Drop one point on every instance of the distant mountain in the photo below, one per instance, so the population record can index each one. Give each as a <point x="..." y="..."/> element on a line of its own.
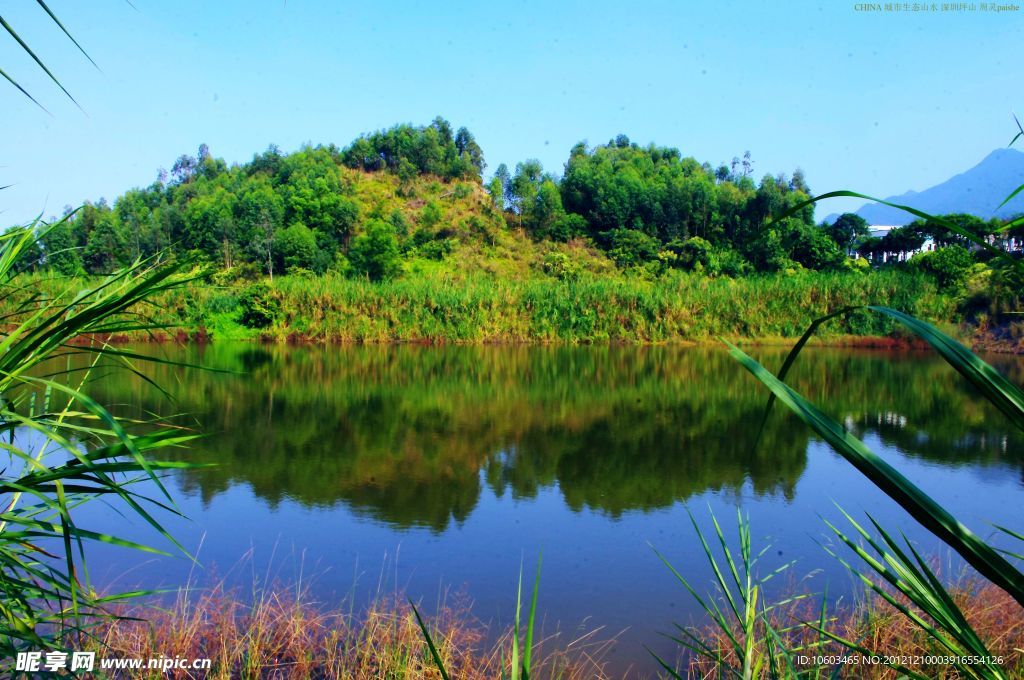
<point x="979" y="191"/>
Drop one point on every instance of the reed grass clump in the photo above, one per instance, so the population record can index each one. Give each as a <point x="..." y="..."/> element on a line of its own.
<point x="282" y="632"/>
<point x="991" y="612"/>
<point x="476" y="308"/>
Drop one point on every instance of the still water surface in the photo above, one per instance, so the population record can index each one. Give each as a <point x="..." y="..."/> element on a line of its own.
<point x="440" y="470"/>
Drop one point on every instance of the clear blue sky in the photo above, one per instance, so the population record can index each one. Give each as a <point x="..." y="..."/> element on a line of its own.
<point x="875" y="102"/>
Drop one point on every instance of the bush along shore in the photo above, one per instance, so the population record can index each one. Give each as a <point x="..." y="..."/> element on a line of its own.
<point x="677" y="308"/>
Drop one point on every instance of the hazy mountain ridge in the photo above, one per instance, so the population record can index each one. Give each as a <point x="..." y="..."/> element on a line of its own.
<point x="977" y="191"/>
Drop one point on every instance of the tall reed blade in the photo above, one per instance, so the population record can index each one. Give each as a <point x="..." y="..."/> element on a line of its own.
<point x="922" y="507"/>
<point x="66" y="449"/>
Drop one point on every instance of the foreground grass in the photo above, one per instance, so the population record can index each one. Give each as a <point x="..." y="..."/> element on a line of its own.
<point x="284" y="634"/>
<point x="876" y="625"/>
<point x="442" y="307"/>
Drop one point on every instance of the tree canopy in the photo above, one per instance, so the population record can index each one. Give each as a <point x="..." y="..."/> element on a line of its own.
<point x="363" y="209"/>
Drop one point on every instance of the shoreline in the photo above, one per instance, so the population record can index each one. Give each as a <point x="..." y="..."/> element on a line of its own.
<point x="202" y="337"/>
<point x="979" y="342"/>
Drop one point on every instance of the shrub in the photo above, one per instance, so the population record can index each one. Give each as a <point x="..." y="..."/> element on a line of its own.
<point x="297" y="247"/>
<point x="399" y="222"/>
<point x="856" y="264"/>
<point x="431" y="214"/>
<point x="375" y="254"/>
<point x="693" y="253"/>
<point x="630" y="247"/>
<point x="222" y="304"/>
<point x="950" y="266"/>
<point x="812" y="247"/>
<point x="567" y="227"/>
<point x="244" y="271"/>
<point x="730" y="263"/>
<point x="437" y="249"/>
<point x="260" y="306"/>
<point x="561" y="266"/>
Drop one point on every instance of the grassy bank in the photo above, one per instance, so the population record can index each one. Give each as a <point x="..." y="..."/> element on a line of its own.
<point x="442" y="307"/>
<point x="283" y="634"/>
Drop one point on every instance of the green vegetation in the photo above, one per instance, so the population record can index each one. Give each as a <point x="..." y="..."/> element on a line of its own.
<point x="395" y="238"/>
<point x="394" y="199"/>
<point x="745" y="625"/>
<point x="647" y="209"/>
<point x="310" y="211"/>
<point x="747" y="642"/>
<point x="913" y="625"/>
<point x="744" y="642"/>
<point x="561" y="308"/>
<point x="315" y="210"/>
<point x="65" y="449"/>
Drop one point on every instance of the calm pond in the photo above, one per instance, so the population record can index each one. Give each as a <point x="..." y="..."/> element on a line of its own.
<point x="433" y="470"/>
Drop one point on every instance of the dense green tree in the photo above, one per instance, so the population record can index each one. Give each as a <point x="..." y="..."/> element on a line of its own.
<point x="799" y="182"/>
<point x="375" y="254"/>
<point x="692" y="253"/>
<point x="260" y="214"/>
<point x="296" y="247"/>
<point x="313" y="194"/>
<point x="902" y="240"/>
<point x="469" y="152"/>
<point x="504" y="180"/>
<point x="654" y="190"/>
<point x="813" y="247"/>
<point x="870" y="249"/>
<point x="524" y="187"/>
<point x="184" y="168"/>
<point x="107" y="247"/>
<point x="848" y="230"/>
<point x="546" y="210"/>
<point x="432" y="150"/>
<point x="942" y="236"/>
<point x="210" y="223"/>
<point x="61" y="249"/>
<point x="567" y="227"/>
<point x="768" y="253"/>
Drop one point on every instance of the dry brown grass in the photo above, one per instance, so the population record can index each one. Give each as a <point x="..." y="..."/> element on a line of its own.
<point x="283" y="634"/>
<point x="877" y="626"/>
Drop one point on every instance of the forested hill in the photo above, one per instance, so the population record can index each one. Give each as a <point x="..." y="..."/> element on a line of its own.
<point x="409" y="198"/>
<point x="409" y="194"/>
